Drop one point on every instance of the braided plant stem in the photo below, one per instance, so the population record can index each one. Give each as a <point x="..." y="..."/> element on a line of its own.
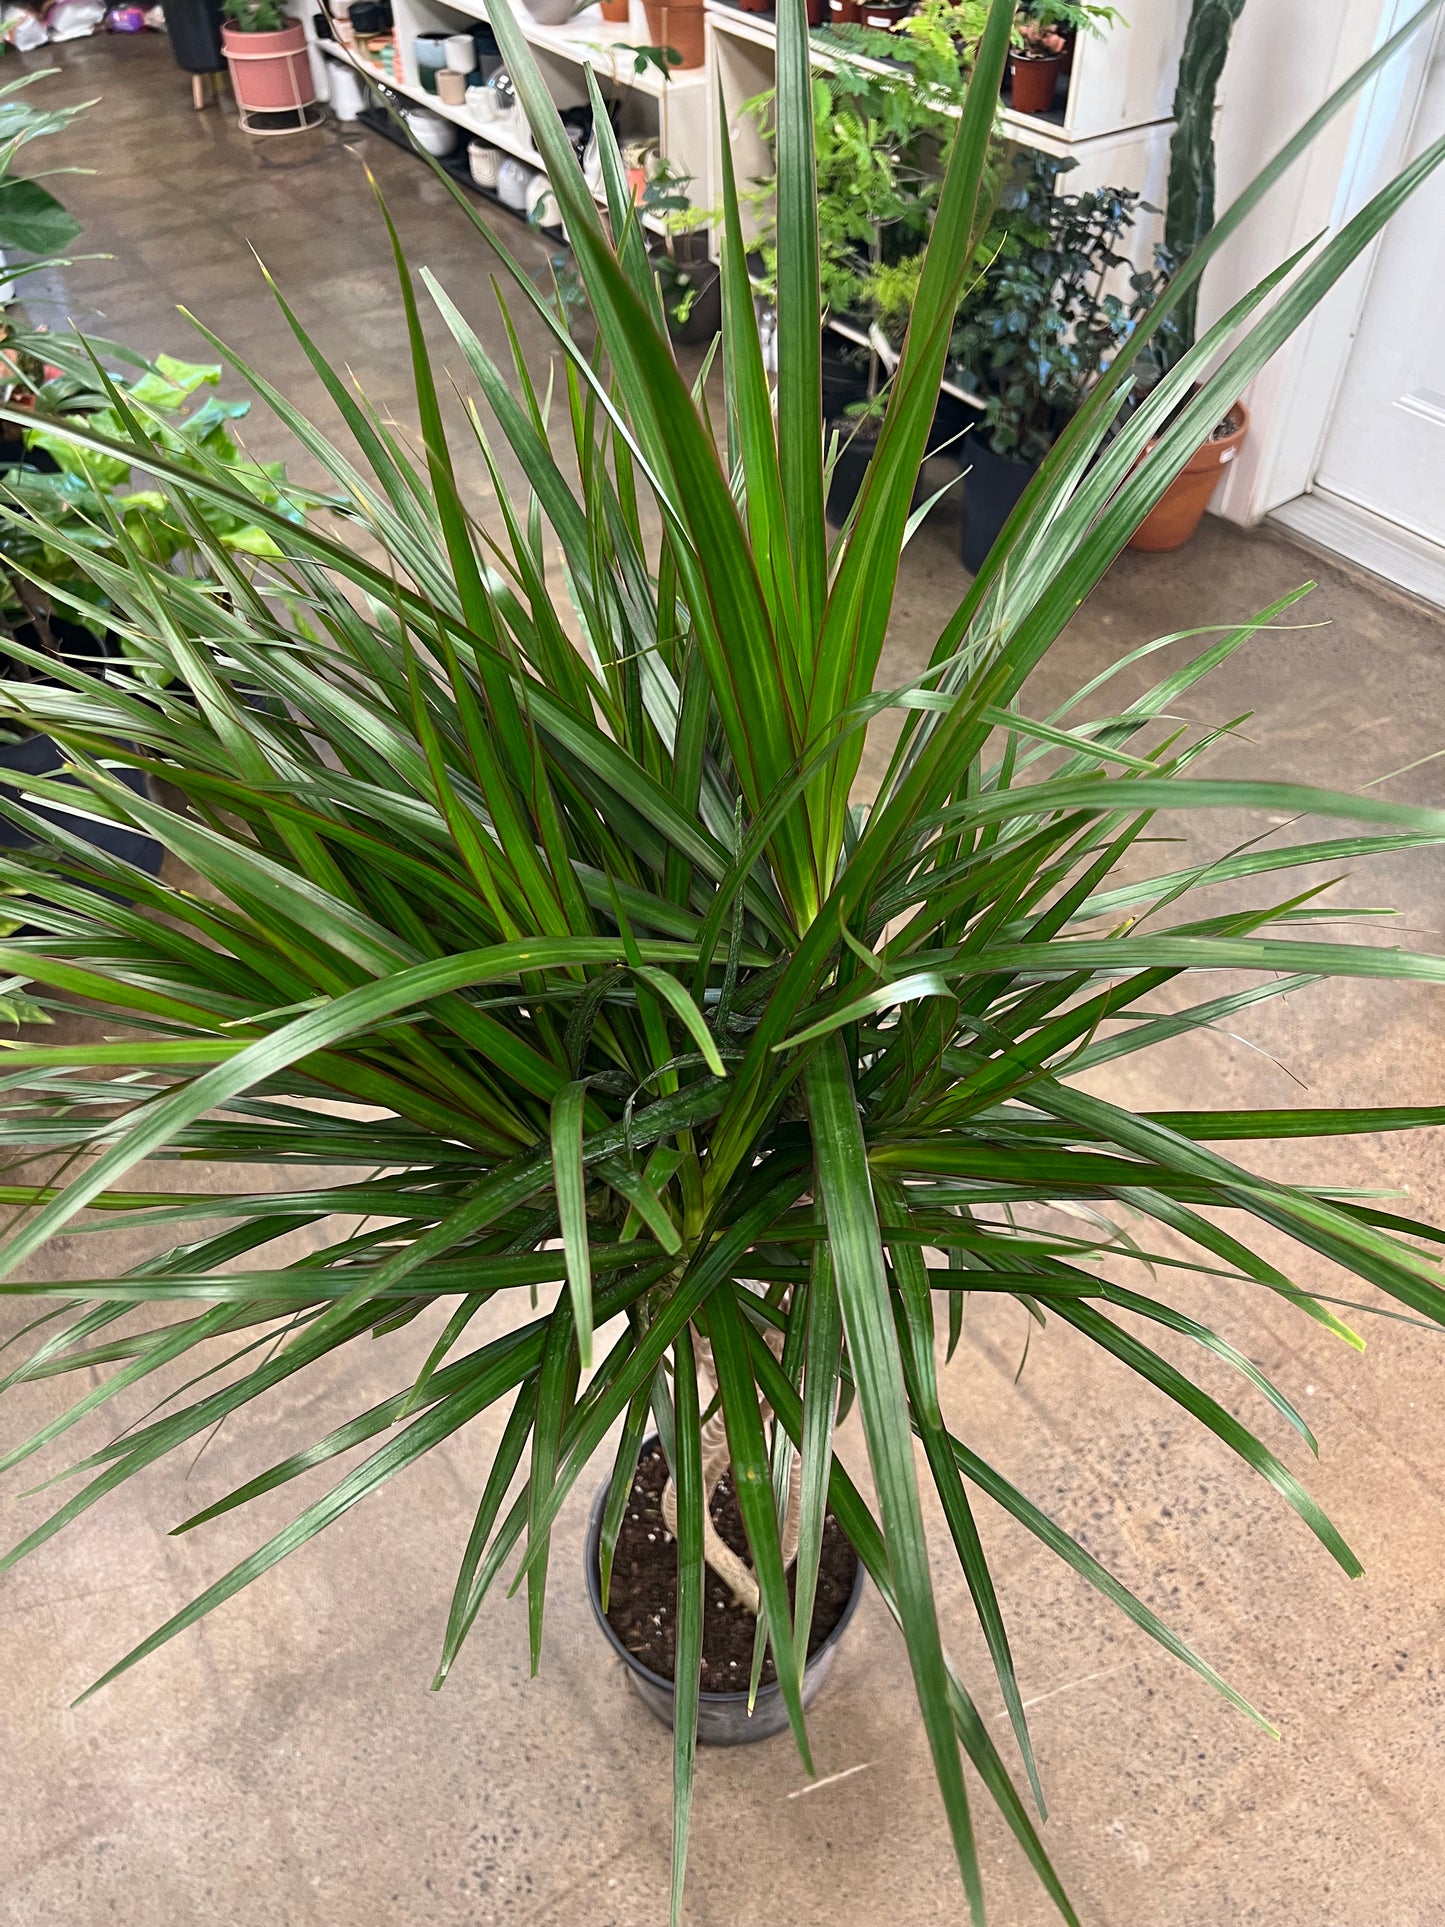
<point x="729" y="1566"/>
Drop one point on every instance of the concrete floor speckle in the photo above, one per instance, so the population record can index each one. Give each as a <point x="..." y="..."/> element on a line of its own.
<point x="283" y="1764"/>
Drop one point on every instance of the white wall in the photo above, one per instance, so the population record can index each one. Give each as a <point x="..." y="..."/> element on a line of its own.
<point x="1285" y="58"/>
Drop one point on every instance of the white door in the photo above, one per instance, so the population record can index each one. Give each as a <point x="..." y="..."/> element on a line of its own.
<point x="1385" y="449"/>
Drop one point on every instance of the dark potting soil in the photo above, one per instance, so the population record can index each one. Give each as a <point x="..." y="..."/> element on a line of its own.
<point x="642" y="1609"/>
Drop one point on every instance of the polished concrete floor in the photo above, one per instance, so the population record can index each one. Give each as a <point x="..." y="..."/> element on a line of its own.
<point x="283" y="1765"/>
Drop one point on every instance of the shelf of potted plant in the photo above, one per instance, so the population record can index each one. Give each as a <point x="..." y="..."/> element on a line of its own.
<point x="662" y="103"/>
<point x="581" y="39"/>
<point x="1118" y="80"/>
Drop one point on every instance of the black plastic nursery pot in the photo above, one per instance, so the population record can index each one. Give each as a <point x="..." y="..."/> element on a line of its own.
<point x="704" y="318"/>
<point x="43" y="756"/>
<point x="722" y="1718"/>
<point x="856" y="445"/>
<point x="991" y="490"/>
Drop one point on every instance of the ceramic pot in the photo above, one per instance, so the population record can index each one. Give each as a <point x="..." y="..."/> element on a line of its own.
<point x="541" y="205"/>
<point x="550" y="13"/>
<point x="677" y="24"/>
<point x="452" y="87"/>
<point x="722" y="1718"/>
<point x="1034" y="79"/>
<point x="485" y="162"/>
<point x="1179" y="511"/>
<point x="429" y="50"/>
<point x="884" y="14"/>
<point x="348" y="92"/>
<point x="843" y="10"/>
<point x="270" y="72"/>
<point x="617" y="11"/>
<point x="430" y="132"/>
<point x="513" y="180"/>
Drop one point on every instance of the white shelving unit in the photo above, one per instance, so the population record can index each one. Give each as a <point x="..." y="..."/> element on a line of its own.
<point x="673" y="110"/>
<point x="1114" y="122"/>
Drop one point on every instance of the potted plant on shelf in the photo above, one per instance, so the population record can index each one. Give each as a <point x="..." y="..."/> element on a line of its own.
<point x="678" y="24"/>
<point x="881" y="140"/>
<point x="265" y="50"/>
<point x="1042" y="35"/>
<point x="1036" y="329"/>
<point x="589" y="965"/>
<point x="1189" y="215"/>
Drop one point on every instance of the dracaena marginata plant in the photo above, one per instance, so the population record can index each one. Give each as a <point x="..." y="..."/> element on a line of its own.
<point x="555" y="874"/>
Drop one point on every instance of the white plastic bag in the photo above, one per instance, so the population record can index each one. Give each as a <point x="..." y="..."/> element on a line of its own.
<point x="74" y="19"/>
<point x="22" y="29"/>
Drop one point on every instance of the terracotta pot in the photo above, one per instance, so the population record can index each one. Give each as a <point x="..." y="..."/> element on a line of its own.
<point x="677" y="24"/>
<point x="270" y="73"/>
<point x="1180" y="510"/>
<point x="617" y="11"/>
<point x="753" y="6"/>
<point x="1033" y="79"/>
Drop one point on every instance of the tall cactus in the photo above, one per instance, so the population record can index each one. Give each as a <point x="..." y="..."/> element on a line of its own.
<point x="1191" y="152"/>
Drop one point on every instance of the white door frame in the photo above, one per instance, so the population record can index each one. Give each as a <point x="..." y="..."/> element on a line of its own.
<point x="1293" y="400"/>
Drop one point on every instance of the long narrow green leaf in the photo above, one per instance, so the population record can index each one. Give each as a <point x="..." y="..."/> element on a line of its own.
<point x="687" y="1666"/>
<point x="857" y="1251"/>
<point x="619" y="1490"/>
<point x="569" y="1179"/>
<point x="800" y="361"/>
<point x="420" y="1436"/>
<point x="753" y="1487"/>
<point x="503" y="1469"/>
<point x="820" y="1406"/>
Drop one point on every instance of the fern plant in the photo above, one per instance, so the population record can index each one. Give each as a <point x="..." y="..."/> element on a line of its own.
<point x="537" y="897"/>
